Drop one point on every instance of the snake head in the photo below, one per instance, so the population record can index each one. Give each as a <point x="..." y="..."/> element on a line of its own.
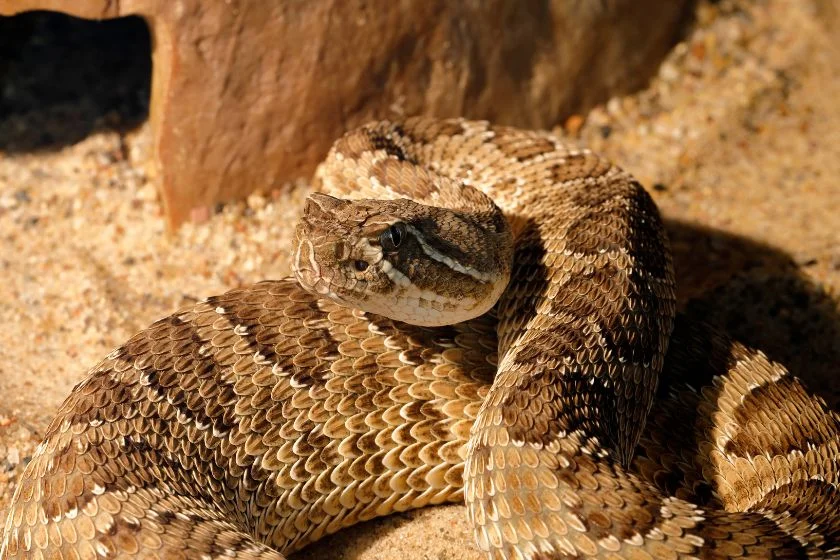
<point x="397" y="258"/>
<point x="331" y="257"/>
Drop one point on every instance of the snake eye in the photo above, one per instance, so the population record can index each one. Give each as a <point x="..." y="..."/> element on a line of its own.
<point x="361" y="266"/>
<point x="391" y="238"/>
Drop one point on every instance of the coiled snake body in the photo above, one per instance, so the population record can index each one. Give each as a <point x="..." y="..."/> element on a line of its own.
<point x="257" y="421"/>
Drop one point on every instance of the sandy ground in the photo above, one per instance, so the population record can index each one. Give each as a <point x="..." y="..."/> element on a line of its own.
<point x="738" y="139"/>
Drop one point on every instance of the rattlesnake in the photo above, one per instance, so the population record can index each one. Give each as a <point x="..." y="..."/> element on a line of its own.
<point x="255" y="422"/>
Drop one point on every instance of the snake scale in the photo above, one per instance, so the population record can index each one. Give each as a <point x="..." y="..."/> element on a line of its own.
<point x="578" y="418"/>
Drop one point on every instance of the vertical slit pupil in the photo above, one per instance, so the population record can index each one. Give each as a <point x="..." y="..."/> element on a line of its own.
<point x="391" y="238"/>
<point x="396" y="235"/>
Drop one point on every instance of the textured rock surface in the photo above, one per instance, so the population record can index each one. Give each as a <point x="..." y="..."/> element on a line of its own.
<point x="248" y="95"/>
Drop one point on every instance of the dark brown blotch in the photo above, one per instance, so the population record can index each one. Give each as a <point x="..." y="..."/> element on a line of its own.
<point x="800" y="420"/>
<point x="389" y="146"/>
<point x="583" y="165"/>
<point x="806" y="508"/>
<point x="555" y="400"/>
<point x="405" y="176"/>
<point x="513" y="144"/>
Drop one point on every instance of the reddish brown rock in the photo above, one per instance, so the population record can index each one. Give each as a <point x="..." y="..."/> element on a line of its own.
<point x="249" y="94"/>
